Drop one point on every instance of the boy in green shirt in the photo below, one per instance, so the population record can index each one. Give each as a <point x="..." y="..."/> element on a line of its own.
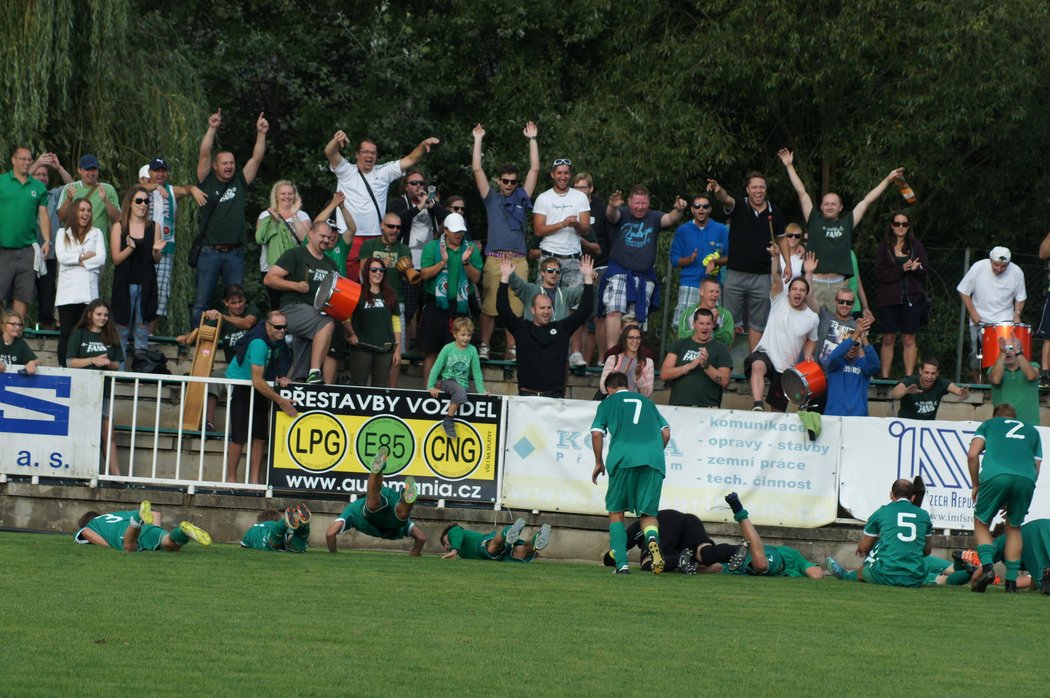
<point x="638" y="435"/>
<point x="452" y="370"/>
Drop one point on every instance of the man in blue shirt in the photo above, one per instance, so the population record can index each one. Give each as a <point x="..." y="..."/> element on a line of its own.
<point x="507" y="208"/>
<point x="699" y="247"/>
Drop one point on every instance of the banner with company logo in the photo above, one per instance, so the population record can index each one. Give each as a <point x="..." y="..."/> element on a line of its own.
<point x="340" y="429"/>
<point x="783" y="478"/>
<point x="878" y="451"/>
<point x="40" y="431"/>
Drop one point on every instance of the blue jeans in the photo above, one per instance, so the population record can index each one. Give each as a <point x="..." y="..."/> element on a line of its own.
<point x="212" y="264"/>
<point x="136" y="321"/>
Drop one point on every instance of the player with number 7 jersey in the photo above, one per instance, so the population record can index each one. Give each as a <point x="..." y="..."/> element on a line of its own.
<point x="638" y="434"/>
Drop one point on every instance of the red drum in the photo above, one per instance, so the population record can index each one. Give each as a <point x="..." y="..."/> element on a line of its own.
<point x="803" y="382"/>
<point x="1011" y="332"/>
<point x="337" y="296"/>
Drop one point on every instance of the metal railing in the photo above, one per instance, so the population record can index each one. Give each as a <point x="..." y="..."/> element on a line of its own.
<point x="161" y="416"/>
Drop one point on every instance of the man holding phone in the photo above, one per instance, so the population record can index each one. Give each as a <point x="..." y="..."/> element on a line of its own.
<point x="1015" y="380"/>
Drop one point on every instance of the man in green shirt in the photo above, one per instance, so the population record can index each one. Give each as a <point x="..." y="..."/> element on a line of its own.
<point x="133" y="531"/>
<point x="384" y="512"/>
<point x="105" y="204"/>
<point x="289" y="532"/>
<point x="1003" y="480"/>
<point x="897" y="539"/>
<point x="636" y="465"/>
<point x="920" y="395"/>
<point x="830" y="236"/>
<point x="503" y="544"/>
<point x="699" y="366"/>
<point x="710" y="295"/>
<point x="23" y="206"/>
<point x="297" y="275"/>
<point x="1035" y="553"/>
<point x="222" y="219"/>
<point x="754" y="557"/>
<point x="1015" y="381"/>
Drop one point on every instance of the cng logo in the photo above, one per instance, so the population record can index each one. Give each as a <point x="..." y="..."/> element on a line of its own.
<point x="317" y="441"/>
<point x="453" y="459"/>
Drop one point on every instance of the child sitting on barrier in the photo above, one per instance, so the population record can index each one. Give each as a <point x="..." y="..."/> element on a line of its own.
<point x="455" y="365"/>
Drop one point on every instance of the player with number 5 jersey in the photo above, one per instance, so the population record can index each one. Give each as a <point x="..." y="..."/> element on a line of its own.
<point x="1004" y="480"/>
<point x="638" y="434"/>
<point x="896" y="541"/>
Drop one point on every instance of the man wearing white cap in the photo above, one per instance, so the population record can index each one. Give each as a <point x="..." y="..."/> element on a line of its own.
<point x="450" y="268"/>
<point x="993" y="291"/>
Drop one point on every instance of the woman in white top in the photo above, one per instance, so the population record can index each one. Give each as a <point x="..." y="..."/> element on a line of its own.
<point x="81" y="253"/>
<point x="280" y="228"/>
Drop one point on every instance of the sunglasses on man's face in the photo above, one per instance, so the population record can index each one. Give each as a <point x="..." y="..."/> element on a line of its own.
<point x="508" y="182"/>
<point x="552" y="270"/>
<point x="701" y="206"/>
<point x="417" y="182"/>
<point x="279" y="328"/>
<point x="456" y="209"/>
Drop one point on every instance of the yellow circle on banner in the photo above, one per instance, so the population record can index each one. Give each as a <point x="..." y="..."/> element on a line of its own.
<point x="453" y="459"/>
<point x="317" y="441"/>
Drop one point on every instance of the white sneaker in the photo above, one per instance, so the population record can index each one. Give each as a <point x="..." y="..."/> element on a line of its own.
<point x="483" y="351"/>
<point x="576" y="360"/>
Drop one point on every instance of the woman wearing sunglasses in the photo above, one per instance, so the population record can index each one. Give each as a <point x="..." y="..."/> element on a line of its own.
<point x="900" y="269"/>
<point x="135" y="248"/>
<point x="375" y="344"/>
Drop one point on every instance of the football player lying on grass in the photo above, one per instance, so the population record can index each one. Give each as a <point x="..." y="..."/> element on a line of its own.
<point x="133" y="531"/>
<point x="504" y="544"/>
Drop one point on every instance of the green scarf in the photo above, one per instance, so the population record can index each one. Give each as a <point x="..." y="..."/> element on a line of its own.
<point x="453" y="276"/>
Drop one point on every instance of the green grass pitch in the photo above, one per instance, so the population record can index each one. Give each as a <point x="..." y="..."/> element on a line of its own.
<point x="84" y="620"/>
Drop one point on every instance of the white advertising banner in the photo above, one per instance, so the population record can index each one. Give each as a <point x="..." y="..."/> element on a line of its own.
<point x="50" y="423"/>
<point x="877" y="451"/>
<point x="783" y="478"/>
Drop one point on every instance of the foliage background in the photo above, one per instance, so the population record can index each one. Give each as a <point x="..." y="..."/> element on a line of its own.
<point x="666" y="93"/>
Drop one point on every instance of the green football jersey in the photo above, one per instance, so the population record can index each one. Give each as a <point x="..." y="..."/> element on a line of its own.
<point x="378" y="524"/>
<point x="634" y="426"/>
<point x="1035" y="547"/>
<point x="114" y="526"/>
<point x="1011" y="447"/>
<point x="901" y="529"/>
<point x="470" y="544"/>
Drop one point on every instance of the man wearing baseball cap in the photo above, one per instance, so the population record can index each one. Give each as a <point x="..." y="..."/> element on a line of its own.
<point x="993" y="291"/>
<point x="163" y="204"/>
<point x="105" y="205"/>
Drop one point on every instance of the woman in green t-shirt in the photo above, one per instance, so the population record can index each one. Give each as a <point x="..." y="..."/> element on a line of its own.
<point x="375" y="344"/>
<point x="95" y="345"/>
<point x="13" y="350"/>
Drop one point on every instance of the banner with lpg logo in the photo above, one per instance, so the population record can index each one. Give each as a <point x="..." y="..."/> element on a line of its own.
<point x="327" y="447"/>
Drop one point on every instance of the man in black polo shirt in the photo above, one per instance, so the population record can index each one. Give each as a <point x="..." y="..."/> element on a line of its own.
<point x="542" y="344"/>
<point x="222" y="216"/>
<point x="754" y="224"/>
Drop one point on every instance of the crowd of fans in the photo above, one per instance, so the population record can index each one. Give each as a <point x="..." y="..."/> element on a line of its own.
<point x="791" y="287"/>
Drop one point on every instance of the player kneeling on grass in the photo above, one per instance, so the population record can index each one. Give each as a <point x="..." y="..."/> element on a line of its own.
<point x="896" y="543"/>
<point x="383" y="513"/>
<point x="276" y="531"/>
<point x="756" y="558"/>
<point x="638" y="434"/>
<point x="133" y="531"/>
<point x="452" y="371"/>
<point x="1006" y="481"/>
<point x="504" y="544"/>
